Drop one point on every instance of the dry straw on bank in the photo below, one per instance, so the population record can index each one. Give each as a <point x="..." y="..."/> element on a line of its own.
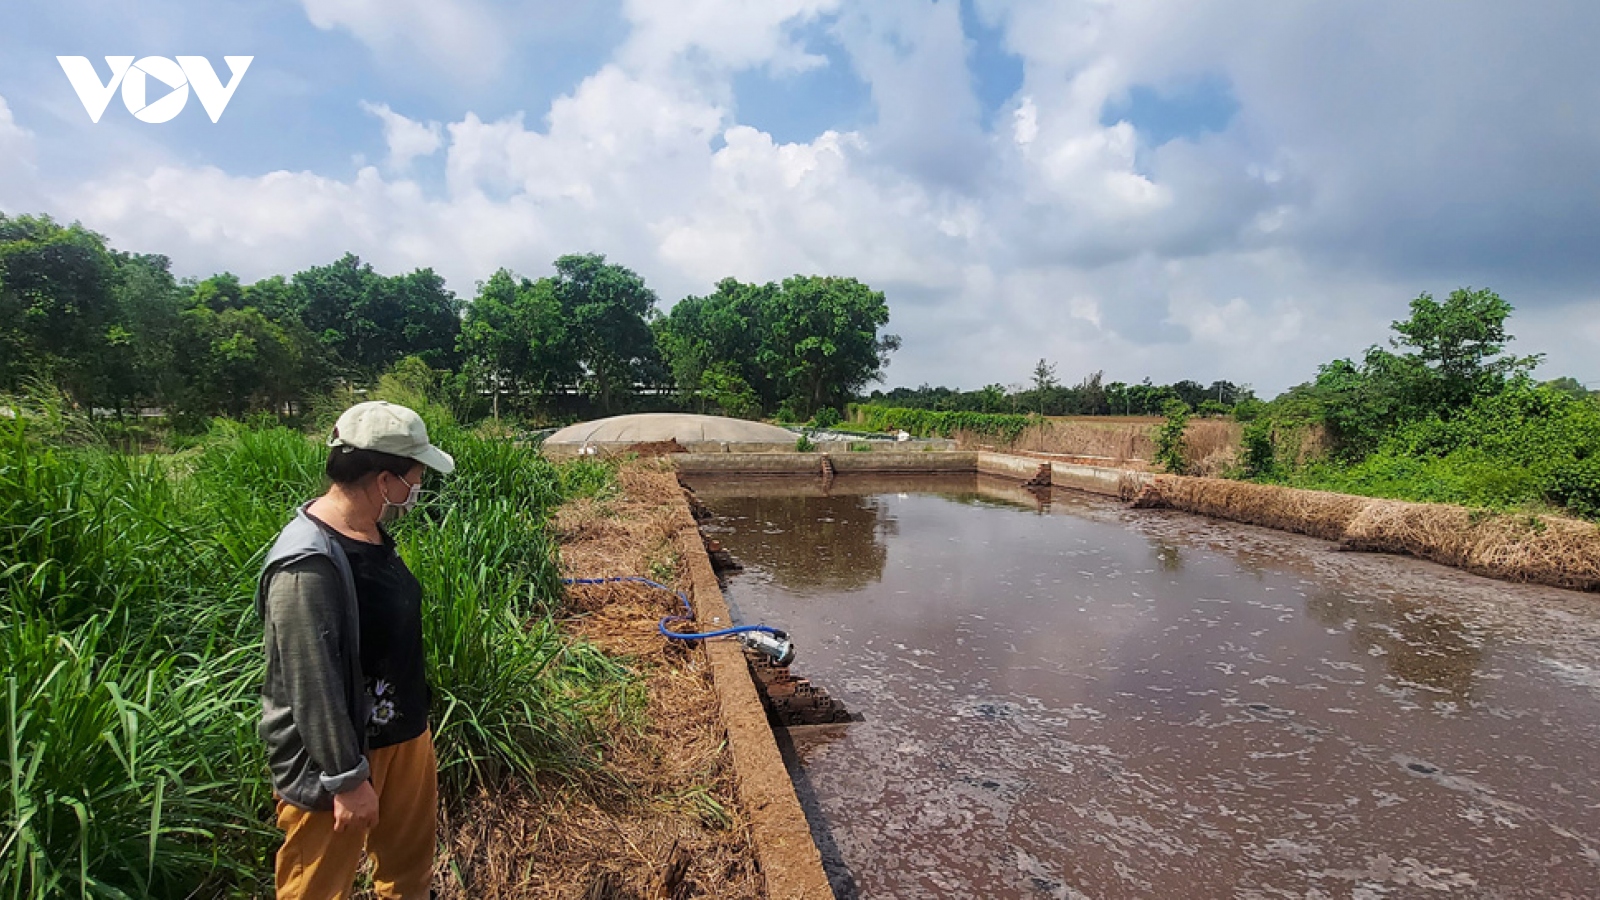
<point x="666" y="792"/>
<point x="1542" y="549"/>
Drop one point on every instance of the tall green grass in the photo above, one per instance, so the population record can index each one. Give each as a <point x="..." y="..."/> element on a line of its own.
<point x="130" y="648"/>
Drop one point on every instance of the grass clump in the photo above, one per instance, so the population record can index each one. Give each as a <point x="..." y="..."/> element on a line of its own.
<point x="132" y="659"/>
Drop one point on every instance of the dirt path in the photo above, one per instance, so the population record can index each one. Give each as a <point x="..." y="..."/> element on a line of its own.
<point x="664" y="796"/>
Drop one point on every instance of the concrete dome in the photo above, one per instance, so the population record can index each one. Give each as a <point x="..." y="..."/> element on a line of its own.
<point x="687" y="429"/>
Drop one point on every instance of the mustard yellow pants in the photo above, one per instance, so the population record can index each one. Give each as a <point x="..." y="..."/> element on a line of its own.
<point x="318" y="863"/>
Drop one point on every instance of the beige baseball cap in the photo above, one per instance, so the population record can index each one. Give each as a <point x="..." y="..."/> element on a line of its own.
<point x="389" y="428"/>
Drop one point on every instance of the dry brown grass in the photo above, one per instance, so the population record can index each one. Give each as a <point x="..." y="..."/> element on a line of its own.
<point x="1542" y="549"/>
<point x="1211" y="445"/>
<point x="662" y="787"/>
<point x="1317" y="513"/>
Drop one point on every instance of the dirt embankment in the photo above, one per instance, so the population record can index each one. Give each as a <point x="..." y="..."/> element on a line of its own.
<point x="1542" y="549"/>
<point x="661" y="809"/>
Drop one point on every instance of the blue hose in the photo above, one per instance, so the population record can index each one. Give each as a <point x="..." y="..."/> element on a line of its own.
<point x="688" y="610"/>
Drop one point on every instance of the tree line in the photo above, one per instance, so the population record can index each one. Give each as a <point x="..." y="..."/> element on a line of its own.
<point x="1092" y="396"/>
<point x="119" y="331"/>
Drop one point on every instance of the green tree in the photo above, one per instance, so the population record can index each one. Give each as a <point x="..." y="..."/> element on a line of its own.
<point x="727" y="390"/>
<point x="1568" y="385"/>
<point x="993" y="398"/>
<point x="516" y="331"/>
<point x="219" y="293"/>
<point x="1457" y="348"/>
<point x="823" y="340"/>
<point x="1092" y="397"/>
<point x="1454" y="354"/>
<point x="237" y="362"/>
<point x="608" y="310"/>
<point x="1169" y="438"/>
<point x="56" y="304"/>
<point x="143" y="343"/>
<point x="1044" y="381"/>
<point x="724" y="331"/>
<point x="371" y="321"/>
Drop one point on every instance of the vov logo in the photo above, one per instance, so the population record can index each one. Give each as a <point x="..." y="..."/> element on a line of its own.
<point x="135" y="77"/>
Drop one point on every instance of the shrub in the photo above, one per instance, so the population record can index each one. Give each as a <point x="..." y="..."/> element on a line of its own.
<point x="1258" y="459"/>
<point x="826" y="417"/>
<point x="1524" y="445"/>
<point x="1576" y="485"/>
<point x="1169" y="437"/>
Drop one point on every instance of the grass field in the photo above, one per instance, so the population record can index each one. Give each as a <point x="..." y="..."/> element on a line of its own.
<point x="132" y="661"/>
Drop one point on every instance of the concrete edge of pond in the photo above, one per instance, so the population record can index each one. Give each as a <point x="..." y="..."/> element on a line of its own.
<point x="791" y="864"/>
<point x="1094" y="479"/>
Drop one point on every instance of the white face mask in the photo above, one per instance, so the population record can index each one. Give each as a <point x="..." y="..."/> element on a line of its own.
<point x="392" y="511"/>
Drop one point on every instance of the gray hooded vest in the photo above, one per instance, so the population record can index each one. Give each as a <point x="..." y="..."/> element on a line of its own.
<point x="313" y="701"/>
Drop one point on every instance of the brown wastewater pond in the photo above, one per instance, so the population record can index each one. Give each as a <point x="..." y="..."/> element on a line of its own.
<point x="1064" y="698"/>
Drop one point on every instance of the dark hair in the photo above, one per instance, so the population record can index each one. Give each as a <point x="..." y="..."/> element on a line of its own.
<point x="350" y="465"/>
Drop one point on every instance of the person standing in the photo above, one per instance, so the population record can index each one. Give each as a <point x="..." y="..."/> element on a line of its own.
<point x="344" y="707"/>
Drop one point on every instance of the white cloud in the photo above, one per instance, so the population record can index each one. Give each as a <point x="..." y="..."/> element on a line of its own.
<point x="464" y="38"/>
<point x="18" y="171"/>
<point x="913" y="56"/>
<point x="726" y="34"/>
<point x="407" y="138"/>
<point x="1365" y="152"/>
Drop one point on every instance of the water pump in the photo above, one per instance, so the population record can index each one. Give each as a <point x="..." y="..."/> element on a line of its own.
<point x="764" y="638"/>
<point x="774" y="644"/>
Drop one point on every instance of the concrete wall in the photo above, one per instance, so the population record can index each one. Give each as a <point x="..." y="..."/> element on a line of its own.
<point x="1098" y="479"/>
<point x="1094" y="479"/>
<point x="792" y="463"/>
<point x="569" y="451"/>
<point x="903" y="461"/>
<point x="791" y="865"/>
<point x="1007" y="466"/>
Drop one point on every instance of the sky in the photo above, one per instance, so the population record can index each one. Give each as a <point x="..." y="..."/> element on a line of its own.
<point x="1205" y="189"/>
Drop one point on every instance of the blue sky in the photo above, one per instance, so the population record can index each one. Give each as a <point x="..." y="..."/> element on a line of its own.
<point x="1202" y="189"/>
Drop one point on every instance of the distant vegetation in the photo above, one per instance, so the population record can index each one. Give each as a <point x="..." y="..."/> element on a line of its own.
<point x="118" y="332"/>
<point x="931" y="423"/>
<point x="1092" y="396"/>
<point x="1443" y="413"/>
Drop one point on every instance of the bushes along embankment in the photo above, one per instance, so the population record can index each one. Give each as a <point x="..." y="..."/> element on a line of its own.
<point x="1526" y="444"/>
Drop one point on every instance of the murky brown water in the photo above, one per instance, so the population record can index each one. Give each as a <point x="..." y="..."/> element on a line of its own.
<point x="1076" y="700"/>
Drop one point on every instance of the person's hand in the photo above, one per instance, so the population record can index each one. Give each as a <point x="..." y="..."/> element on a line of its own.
<point x="356" y="809"/>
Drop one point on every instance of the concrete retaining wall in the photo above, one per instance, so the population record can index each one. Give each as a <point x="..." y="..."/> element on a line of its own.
<point x="1007" y="466"/>
<point x="568" y="451"/>
<point x="1099" y="479"/>
<point x="791" y="463"/>
<point x="791" y="865"/>
<point x="1094" y="479"/>
<point x="902" y="462"/>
